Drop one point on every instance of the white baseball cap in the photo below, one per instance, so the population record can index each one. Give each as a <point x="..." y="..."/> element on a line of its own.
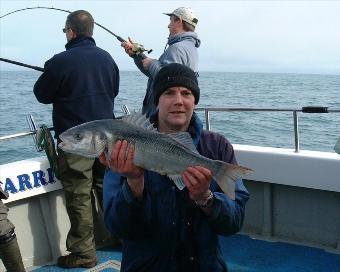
<point x="186" y="14"/>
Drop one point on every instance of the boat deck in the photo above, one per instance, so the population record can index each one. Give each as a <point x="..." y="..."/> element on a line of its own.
<point x="242" y="253"/>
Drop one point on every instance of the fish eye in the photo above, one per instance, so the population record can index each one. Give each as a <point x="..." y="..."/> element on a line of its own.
<point x="77" y="136"/>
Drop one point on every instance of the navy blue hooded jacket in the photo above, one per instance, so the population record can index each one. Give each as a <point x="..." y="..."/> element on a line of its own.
<point x="80" y="82"/>
<point x="166" y="231"/>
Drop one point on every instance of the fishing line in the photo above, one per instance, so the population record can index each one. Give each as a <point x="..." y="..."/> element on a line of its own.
<point x="63" y="10"/>
<point x="140" y="49"/>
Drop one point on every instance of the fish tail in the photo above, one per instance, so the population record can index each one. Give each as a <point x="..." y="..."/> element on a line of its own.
<point x="226" y="176"/>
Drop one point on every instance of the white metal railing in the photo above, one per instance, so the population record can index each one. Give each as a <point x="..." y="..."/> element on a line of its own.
<point x="207" y="111"/>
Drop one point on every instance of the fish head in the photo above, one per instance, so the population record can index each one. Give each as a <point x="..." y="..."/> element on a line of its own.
<point x="83" y="140"/>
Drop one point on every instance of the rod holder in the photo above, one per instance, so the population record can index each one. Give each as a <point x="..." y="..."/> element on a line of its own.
<point x="33" y="128"/>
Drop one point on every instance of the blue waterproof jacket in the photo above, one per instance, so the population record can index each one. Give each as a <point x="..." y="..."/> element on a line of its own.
<point x="166" y="231"/>
<point x="81" y="82"/>
<point x="182" y="48"/>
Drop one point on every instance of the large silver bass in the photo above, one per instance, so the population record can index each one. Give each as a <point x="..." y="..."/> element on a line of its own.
<point x="166" y="154"/>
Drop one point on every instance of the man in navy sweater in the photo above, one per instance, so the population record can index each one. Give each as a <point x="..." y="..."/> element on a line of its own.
<point x="163" y="228"/>
<point x="81" y="83"/>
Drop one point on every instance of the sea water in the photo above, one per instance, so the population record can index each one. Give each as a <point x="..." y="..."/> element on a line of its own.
<point x="218" y="89"/>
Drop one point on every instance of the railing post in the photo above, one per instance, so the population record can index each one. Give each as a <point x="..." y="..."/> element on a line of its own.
<point x="296" y="131"/>
<point x="207" y="119"/>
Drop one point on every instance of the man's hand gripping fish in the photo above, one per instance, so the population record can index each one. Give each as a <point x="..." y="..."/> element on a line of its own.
<point x="166" y="154"/>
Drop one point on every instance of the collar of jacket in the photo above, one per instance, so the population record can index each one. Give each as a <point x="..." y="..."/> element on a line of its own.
<point x="79" y="40"/>
<point x="195" y="127"/>
<point x="189" y="35"/>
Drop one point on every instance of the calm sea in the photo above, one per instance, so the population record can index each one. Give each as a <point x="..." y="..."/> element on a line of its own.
<point x="246" y="90"/>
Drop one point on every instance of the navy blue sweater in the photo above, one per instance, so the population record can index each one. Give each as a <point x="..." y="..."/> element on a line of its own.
<point x="80" y="82"/>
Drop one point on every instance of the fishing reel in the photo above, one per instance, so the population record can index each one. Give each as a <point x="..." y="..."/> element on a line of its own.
<point x="138" y="49"/>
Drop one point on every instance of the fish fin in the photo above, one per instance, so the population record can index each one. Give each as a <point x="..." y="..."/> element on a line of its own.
<point x="185" y="139"/>
<point x="227" y="175"/>
<point x="337" y="146"/>
<point x="178" y="180"/>
<point x="140" y="120"/>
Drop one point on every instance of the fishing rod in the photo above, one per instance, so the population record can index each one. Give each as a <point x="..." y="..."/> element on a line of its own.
<point x="23" y="64"/>
<point x="137" y="48"/>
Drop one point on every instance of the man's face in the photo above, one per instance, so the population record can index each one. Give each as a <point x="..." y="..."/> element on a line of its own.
<point x="70" y="34"/>
<point x="176" y="106"/>
<point x="175" y="25"/>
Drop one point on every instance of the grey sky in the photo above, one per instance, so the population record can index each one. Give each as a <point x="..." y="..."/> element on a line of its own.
<point x="237" y="36"/>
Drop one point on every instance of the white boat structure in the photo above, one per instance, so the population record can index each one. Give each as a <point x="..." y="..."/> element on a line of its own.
<point x="295" y="198"/>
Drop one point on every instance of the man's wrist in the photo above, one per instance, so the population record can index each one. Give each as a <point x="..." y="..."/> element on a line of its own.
<point x="206" y="202"/>
<point x="137" y="186"/>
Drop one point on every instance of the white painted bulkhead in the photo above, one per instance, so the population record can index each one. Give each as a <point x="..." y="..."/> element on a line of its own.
<point x="295" y="197"/>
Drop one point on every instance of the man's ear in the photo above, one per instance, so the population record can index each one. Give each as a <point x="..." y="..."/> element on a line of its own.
<point x="74" y="34"/>
<point x="178" y="20"/>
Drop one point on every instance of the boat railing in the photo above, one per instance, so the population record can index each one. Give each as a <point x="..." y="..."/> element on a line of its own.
<point x="207" y="111"/>
<point x="33" y="131"/>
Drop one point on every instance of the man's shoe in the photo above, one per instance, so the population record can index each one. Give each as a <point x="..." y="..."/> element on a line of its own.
<point x="72" y="261"/>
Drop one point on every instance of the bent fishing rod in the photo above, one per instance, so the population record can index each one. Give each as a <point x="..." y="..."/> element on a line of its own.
<point x="137" y="48"/>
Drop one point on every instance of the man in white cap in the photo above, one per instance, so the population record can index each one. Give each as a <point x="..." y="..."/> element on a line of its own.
<point x="182" y="48"/>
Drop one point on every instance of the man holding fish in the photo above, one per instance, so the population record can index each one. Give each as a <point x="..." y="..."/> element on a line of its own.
<point x="164" y="226"/>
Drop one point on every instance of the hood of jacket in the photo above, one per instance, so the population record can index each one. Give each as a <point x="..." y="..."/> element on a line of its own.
<point x="185" y="36"/>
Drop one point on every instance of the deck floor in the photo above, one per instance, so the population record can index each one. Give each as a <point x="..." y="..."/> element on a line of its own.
<point x="243" y="253"/>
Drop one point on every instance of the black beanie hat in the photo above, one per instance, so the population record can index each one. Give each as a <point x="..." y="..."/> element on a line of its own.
<point x="175" y="75"/>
